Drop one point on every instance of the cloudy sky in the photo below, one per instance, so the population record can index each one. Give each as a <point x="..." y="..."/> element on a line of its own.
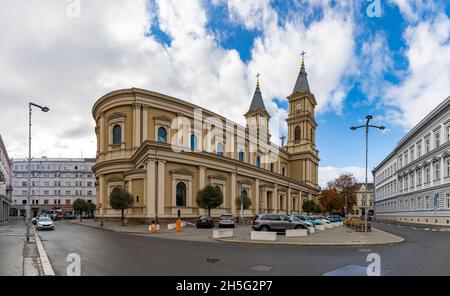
<point x="68" y="53"/>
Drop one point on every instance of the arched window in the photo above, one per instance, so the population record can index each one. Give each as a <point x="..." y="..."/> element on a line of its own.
<point x="117" y="135"/>
<point x="193" y="142"/>
<point x="219" y="149"/>
<point x="241" y="156"/>
<point x="272" y="167"/>
<point x="258" y="161"/>
<point x="162" y="135"/>
<point x="181" y="194"/>
<point x="244" y="193"/>
<point x="283" y="171"/>
<point x="297" y="134"/>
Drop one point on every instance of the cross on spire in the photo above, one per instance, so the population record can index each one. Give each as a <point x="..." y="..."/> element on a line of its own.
<point x="303" y="59"/>
<point x="282" y="138"/>
<point x="257" y="79"/>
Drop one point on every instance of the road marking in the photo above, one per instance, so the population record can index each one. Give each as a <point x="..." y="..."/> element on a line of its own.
<point x="46" y="266"/>
<point x="426" y="229"/>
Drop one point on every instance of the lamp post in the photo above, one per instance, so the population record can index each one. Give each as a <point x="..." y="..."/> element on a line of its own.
<point x="28" y="209"/>
<point x="366" y="126"/>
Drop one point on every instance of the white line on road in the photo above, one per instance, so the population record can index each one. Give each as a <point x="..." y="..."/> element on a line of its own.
<point x="47" y="267"/>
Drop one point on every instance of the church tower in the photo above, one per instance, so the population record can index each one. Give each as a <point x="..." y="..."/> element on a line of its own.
<point x="257" y="116"/>
<point x="302" y="131"/>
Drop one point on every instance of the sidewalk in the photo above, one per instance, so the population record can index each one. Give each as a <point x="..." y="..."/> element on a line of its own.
<point x="17" y="257"/>
<point x="338" y="236"/>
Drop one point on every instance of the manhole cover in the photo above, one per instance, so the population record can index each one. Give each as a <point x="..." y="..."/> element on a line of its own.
<point x="214" y="260"/>
<point x="263" y="268"/>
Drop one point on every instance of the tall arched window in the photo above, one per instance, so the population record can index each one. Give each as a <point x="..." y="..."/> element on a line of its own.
<point x="297" y="134"/>
<point x="244" y="193"/>
<point x="219" y="149"/>
<point x="283" y="171"/>
<point x="241" y="156"/>
<point x="258" y="161"/>
<point x="181" y="194"/>
<point x="117" y="135"/>
<point x="162" y="135"/>
<point x="193" y="142"/>
<point x="272" y="167"/>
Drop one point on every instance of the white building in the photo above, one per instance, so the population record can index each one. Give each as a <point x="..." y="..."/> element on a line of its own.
<point x="55" y="183"/>
<point x="413" y="183"/>
<point x="360" y="206"/>
<point x="5" y="182"/>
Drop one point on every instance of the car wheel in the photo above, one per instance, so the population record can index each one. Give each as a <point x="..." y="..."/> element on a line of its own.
<point x="298" y="227"/>
<point x="264" y="228"/>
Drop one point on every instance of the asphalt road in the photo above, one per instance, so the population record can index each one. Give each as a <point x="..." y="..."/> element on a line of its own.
<point x="424" y="252"/>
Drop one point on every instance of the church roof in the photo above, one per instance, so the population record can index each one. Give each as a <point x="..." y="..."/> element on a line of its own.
<point x="301" y="85"/>
<point x="257" y="102"/>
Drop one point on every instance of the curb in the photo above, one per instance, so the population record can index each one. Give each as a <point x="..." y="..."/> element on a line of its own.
<point x="46" y="266"/>
<point x="311" y="244"/>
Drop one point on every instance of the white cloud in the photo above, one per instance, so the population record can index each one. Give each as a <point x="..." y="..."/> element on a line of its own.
<point x="68" y="63"/>
<point x="328" y="173"/>
<point x="427" y="80"/>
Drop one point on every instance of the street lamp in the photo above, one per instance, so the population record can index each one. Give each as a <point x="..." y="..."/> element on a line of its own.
<point x="366" y="126"/>
<point x="28" y="210"/>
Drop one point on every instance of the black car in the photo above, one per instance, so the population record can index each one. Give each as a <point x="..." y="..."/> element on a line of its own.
<point x="205" y="221"/>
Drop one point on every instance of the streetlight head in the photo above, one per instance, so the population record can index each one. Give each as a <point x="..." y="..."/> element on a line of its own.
<point x="45" y="109"/>
<point x="369" y="117"/>
<point x="353" y="128"/>
<point x="382" y="127"/>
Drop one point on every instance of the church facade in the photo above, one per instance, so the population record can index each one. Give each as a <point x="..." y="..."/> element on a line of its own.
<point x="164" y="151"/>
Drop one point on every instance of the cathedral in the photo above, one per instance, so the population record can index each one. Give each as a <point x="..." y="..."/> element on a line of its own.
<point x="164" y="151"/>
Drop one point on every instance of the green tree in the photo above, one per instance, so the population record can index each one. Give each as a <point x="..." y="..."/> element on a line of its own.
<point x="80" y="205"/>
<point x="309" y="206"/>
<point x="209" y="198"/>
<point x="246" y="202"/>
<point x="120" y="199"/>
<point x="91" y="208"/>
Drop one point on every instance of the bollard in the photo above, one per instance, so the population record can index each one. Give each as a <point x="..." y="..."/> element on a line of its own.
<point x="178" y="225"/>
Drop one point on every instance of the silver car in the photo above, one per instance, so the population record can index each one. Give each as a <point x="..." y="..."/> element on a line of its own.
<point x="226" y="220"/>
<point x="276" y="222"/>
<point x="45" y="223"/>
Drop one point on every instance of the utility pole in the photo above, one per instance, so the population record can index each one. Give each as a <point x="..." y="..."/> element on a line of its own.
<point x="366" y="127"/>
<point x="28" y="208"/>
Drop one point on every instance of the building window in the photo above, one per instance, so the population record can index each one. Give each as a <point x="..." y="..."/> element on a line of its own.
<point x="411" y="151"/>
<point x="272" y="167"/>
<point x="419" y="177"/>
<point x="283" y="171"/>
<point x="448" y="200"/>
<point x="297" y="133"/>
<point x="193" y="142"/>
<point x="67" y="201"/>
<point x="181" y="195"/>
<point x="437" y="170"/>
<point x="162" y="135"/>
<point x="437" y="139"/>
<point x="419" y="150"/>
<point x="219" y="149"/>
<point x="241" y="156"/>
<point x="258" y="161"/>
<point x="447" y="131"/>
<point x="117" y="135"/>
<point x="427" y="173"/>
<point x="427" y="145"/>
<point x="447" y="167"/>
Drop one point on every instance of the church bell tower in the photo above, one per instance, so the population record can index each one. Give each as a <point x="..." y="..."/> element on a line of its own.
<point x="302" y="126"/>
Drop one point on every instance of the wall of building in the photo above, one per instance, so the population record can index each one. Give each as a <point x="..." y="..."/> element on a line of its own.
<point x="5" y="182"/>
<point x="55" y="183"/>
<point x="413" y="183"/>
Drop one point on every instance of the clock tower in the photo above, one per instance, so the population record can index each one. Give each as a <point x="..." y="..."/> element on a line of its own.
<point x="302" y="126"/>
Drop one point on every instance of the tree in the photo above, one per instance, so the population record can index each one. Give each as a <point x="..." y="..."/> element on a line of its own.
<point x="345" y="186"/>
<point x="120" y="199"/>
<point x="209" y="198"/>
<point x="330" y="200"/>
<point x="309" y="206"/>
<point x="80" y="205"/>
<point x="246" y="202"/>
<point x="91" y="208"/>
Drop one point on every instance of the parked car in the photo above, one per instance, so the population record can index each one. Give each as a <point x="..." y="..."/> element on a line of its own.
<point x="269" y="222"/>
<point x="35" y="220"/>
<point x="45" y="223"/>
<point x="335" y="218"/>
<point x="323" y="220"/>
<point x="226" y="220"/>
<point x="205" y="221"/>
<point x="305" y="219"/>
